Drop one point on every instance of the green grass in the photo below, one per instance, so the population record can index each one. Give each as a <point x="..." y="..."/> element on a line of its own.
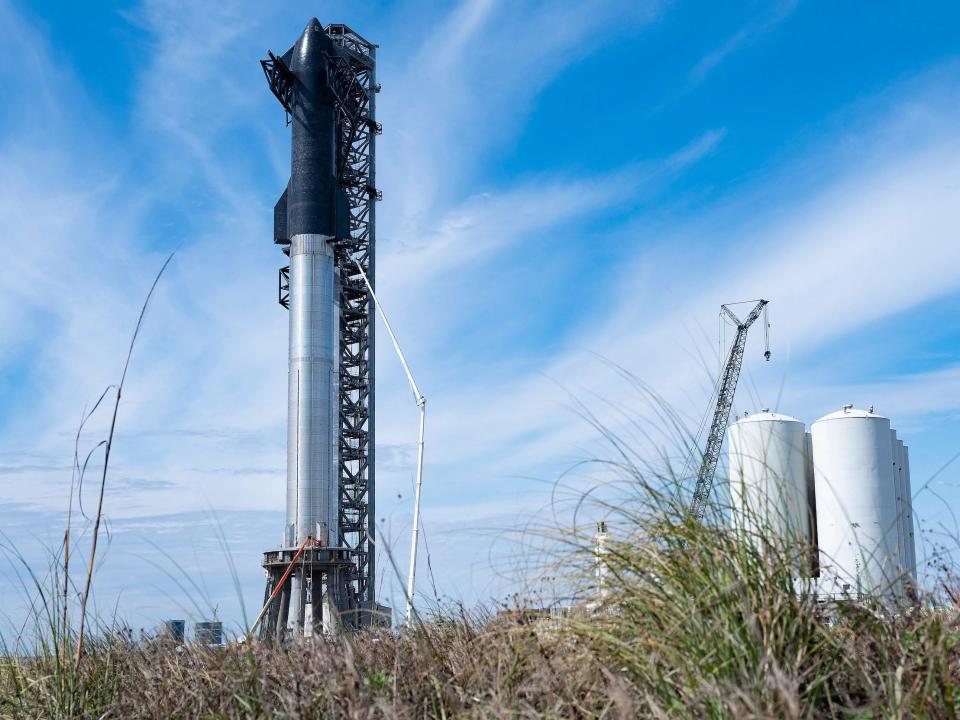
<point x="696" y="623"/>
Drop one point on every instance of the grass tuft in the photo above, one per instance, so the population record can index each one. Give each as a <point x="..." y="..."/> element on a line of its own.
<point x="694" y="623"/>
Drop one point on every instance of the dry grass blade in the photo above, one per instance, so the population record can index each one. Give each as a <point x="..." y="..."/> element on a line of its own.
<point x="106" y="463"/>
<point x="693" y="622"/>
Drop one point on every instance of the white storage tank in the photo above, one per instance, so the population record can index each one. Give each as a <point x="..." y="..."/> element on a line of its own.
<point x="908" y="560"/>
<point x="856" y="505"/>
<point x="768" y="477"/>
<point x="898" y="487"/>
<point x="911" y="540"/>
<point x="813" y="561"/>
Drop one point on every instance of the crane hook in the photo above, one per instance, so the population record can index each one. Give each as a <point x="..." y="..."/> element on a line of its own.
<point x="766" y="334"/>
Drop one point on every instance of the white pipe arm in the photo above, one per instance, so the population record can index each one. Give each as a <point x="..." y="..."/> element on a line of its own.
<point x="396" y="345"/>
<point x="422" y="404"/>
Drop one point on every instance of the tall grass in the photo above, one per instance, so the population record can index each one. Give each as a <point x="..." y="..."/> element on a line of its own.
<point x="695" y="621"/>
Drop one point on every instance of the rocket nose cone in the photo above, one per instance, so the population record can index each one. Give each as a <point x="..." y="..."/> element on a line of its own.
<point x="310" y="47"/>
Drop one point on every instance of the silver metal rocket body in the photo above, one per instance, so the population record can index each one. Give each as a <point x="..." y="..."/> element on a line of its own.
<point x="322" y="576"/>
<point x="310" y="571"/>
<point x="313" y="425"/>
<point x="308" y="577"/>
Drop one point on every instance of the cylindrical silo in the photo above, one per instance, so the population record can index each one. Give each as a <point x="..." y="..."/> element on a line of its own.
<point x="856" y="504"/>
<point x="904" y="515"/>
<point x="768" y="483"/>
<point x="814" y="559"/>
<point x="897" y="472"/>
<point x="911" y="540"/>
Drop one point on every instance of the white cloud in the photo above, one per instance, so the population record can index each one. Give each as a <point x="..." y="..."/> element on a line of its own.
<point x="866" y="234"/>
<point x="757" y="26"/>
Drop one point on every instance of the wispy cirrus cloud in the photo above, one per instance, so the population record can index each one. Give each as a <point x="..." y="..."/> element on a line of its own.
<point x="758" y="25"/>
<point x="503" y="291"/>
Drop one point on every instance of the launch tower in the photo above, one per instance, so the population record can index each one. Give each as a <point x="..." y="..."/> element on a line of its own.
<point x="322" y="575"/>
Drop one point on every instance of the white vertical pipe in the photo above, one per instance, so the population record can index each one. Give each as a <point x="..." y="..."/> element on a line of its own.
<point x="415" y="538"/>
<point x="422" y="404"/>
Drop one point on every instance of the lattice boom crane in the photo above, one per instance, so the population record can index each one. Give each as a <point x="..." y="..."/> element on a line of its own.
<point x="725" y="393"/>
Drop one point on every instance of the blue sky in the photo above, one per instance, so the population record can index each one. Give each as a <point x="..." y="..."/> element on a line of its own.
<point x="563" y="182"/>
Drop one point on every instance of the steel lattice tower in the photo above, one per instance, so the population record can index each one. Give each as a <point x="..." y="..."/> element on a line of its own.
<point x="348" y="570"/>
<point x="357" y="347"/>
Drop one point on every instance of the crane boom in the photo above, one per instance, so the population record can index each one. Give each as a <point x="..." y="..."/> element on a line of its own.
<point x="725" y="393"/>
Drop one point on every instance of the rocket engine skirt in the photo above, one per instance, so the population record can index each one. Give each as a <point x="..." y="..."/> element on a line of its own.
<point x="313" y="425"/>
